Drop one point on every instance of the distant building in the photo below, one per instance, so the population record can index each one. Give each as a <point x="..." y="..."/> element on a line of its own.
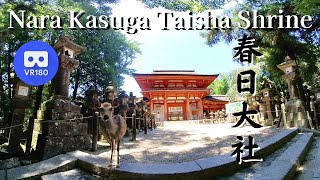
<point x="214" y="103"/>
<point x="179" y="95"/>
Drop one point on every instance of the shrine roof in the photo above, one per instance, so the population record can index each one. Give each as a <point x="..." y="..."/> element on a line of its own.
<point x="173" y="73"/>
<point x="217" y="98"/>
<point x="174" y="79"/>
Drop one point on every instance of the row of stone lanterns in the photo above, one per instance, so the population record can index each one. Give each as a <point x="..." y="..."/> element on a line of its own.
<point x="269" y="105"/>
<point x="124" y="101"/>
<point x="124" y="104"/>
<point x="295" y="115"/>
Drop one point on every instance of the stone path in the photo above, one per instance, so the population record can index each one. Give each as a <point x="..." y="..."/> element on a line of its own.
<point x="310" y="168"/>
<point x="185" y="141"/>
<point x="77" y="164"/>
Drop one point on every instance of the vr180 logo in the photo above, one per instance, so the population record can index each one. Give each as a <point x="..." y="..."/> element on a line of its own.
<point x="36" y="63"/>
<point x="31" y="58"/>
<point x="39" y="58"/>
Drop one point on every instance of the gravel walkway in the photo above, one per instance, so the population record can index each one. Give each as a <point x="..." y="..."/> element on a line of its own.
<point x="185" y="141"/>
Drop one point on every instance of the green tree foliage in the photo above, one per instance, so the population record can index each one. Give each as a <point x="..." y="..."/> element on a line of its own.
<point x="184" y="5"/>
<point x="300" y="44"/>
<point x="221" y="85"/>
<point x="108" y="55"/>
<point x="306" y="7"/>
<point x="230" y="81"/>
<point x="226" y="84"/>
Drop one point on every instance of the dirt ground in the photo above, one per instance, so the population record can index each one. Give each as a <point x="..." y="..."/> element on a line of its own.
<point x="185" y="141"/>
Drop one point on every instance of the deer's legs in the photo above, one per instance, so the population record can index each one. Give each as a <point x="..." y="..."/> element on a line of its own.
<point x="112" y="150"/>
<point x="118" y="147"/>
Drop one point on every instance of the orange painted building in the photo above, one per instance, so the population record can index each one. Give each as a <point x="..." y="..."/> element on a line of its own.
<point x="177" y="95"/>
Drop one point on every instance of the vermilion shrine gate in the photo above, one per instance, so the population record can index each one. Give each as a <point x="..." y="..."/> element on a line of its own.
<point x="178" y="95"/>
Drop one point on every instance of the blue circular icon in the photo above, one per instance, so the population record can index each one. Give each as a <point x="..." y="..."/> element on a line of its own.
<point x="36" y="63"/>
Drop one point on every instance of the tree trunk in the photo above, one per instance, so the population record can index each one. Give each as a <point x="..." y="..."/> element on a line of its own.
<point x="8" y="116"/>
<point x="302" y="95"/>
<point x="76" y="84"/>
<point x="9" y="72"/>
<point x="301" y="90"/>
<point x="1" y="81"/>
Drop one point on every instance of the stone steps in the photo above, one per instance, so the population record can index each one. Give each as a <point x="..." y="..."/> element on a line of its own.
<point x="310" y="168"/>
<point x="74" y="174"/>
<point x="282" y="164"/>
<point x="58" y="163"/>
<point x="206" y="168"/>
<point x="282" y="154"/>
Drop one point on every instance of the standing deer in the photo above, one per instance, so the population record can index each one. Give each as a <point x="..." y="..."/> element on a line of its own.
<point x="112" y="128"/>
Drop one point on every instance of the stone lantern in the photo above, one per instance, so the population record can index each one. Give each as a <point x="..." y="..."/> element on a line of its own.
<point x="132" y="101"/>
<point x="93" y="100"/>
<point x="132" y="106"/>
<point x="110" y="93"/>
<point x="143" y="103"/>
<point x="266" y="93"/>
<point x="263" y="110"/>
<point x="253" y="101"/>
<point x="63" y="128"/>
<point x="295" y="113"/>
<point x="256" y="102"/>
<point x="20" y="102"/>
<point x="92" y="105"/>
<point x="67" y="50"/>
<point x="123" y="103"/>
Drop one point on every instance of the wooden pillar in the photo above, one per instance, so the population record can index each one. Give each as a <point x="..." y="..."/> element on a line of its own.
<point x="151" y="106"/>
<point x="165" y="107"/>
<point x="188" y="107"/>
<point x="185" y="115"/>
<point x="151" y="122"/>
<point x="201" y="108"/>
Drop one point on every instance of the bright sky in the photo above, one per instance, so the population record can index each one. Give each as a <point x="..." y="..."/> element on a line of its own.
<point x="173" y="49"/>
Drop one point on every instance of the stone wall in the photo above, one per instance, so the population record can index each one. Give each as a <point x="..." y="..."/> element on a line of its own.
<point x="59" y="135"/>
